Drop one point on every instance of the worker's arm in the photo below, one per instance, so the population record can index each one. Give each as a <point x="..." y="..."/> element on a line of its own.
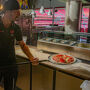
<point x="26" y="50"/>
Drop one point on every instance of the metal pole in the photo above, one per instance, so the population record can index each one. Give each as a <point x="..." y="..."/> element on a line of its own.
<point x="88" y="38"/>
<point x="30" y="76"/>
<point x="54" y="80"/>
<point x="89" y="22"/>
<point x="53" y="16"/>
<point x="13" y="88"/>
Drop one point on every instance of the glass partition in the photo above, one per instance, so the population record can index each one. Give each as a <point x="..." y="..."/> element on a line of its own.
<point x="78" y="39"/>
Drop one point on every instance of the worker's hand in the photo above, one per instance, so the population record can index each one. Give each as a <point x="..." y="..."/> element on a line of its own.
<point x="35" y="61"/>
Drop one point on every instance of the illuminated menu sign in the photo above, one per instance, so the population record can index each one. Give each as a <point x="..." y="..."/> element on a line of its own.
<point x="23" y="4"/>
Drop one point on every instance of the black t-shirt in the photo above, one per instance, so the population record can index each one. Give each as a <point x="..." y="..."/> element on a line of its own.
<point x="7" y="38"/>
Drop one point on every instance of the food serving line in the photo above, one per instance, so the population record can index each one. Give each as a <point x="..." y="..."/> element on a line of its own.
<point x="80" y="69"/>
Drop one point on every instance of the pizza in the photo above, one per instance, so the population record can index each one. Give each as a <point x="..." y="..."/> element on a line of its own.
<point x="63" y="59"/>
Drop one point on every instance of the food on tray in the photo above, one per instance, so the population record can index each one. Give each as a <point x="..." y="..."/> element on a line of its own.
<point x="84" y="45"/>
<point x="49" y="39"/>
<point x="72" y="43"/>
<point x="64" y="59"/>
<point x="43" y="38"/>
<point x="64" y="41"/>
<point x="56" y="40"/>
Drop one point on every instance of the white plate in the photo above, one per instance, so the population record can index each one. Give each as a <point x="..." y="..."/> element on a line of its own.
<point x="53" y="61"/>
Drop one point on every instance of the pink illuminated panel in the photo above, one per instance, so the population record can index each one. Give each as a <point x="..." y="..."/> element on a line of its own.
<point x="59" y="18"/>
<point x="46" y="20"/>
<point x="84" y="20"/>
<point x="42" y="19"/>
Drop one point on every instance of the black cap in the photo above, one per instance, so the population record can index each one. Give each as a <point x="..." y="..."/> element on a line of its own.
<point x="11" y="5"/>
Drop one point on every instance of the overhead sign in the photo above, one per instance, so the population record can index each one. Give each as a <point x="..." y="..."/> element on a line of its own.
<point x="23" y="4"/>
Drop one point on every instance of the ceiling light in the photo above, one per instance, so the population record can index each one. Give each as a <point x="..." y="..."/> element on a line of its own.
<point x="1" y="7"/>
<point x="49" y="12"/>
<point x="42" y="10"/>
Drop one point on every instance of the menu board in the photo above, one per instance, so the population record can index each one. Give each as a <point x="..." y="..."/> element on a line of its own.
<point x="23" y="4"/>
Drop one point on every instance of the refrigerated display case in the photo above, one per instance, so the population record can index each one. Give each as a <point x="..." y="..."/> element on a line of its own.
<point x="76" y="44"/>
<point x="78" y="39"/>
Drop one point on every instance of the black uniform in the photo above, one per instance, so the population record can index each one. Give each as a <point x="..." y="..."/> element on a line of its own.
<point x="7" y="53"/>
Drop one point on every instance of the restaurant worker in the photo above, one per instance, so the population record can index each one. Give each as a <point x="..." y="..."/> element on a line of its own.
<point x="9" y="31"/>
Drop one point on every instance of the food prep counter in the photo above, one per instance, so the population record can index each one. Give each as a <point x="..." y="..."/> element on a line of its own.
<point x="80" y="69"/>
